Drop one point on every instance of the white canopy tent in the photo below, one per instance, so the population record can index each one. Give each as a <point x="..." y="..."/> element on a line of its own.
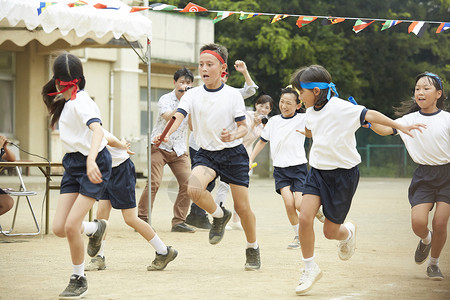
<point x="77" y="26"/>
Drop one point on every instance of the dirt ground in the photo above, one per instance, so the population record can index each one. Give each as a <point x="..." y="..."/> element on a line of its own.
<point x="383" y="266"/>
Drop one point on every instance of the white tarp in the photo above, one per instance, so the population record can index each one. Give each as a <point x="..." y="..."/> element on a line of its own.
<point x="20" y="22"/>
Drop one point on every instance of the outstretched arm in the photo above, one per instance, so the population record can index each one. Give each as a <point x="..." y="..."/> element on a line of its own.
<point x="258" y="148"/>
<point x="381" y="129"/>
<point x="179" y="117"/>
<point x="240" y="66"/>
<point x="374" y="116"/>
<point x="306" y="132"/>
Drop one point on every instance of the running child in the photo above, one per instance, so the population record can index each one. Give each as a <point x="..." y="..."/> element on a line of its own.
<point x="87" y="165"/>
<point x="430" y="184"/>
<point x="334" y="175"/>
<point x="120" y="194"/>
<point x="218" y="120"/>
<point x="288" y="155"/>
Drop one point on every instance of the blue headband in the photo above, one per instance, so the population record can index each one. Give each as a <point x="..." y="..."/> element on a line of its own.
<point x="321" y="85"/>
<point x="435" y="77"/>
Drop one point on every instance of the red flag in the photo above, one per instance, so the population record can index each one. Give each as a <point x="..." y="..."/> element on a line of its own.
<point x="191" y="7"/>
<point x="302" y="21"/>
<point x="138" y="8"/>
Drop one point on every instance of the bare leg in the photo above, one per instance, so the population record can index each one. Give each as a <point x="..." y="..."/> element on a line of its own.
<point x="440" y="221"/>
<point x="200" y="177"/>
<point x="65" y="203"/>
<point x="6" y="203"/>
<point x="310" y="206"/>
<point x="242" y="207"/>
<point x="144" y="229"/>
<point x="289" y="203"/>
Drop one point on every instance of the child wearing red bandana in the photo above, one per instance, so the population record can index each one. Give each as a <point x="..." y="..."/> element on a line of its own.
<point x="218" y="116"/>
<point x="87" y="165"/>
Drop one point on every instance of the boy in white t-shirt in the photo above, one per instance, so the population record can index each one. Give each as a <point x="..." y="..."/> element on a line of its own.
<point x="288" y="155"/>
<point x="218" y="119"/>
<point x="334" y="175"/>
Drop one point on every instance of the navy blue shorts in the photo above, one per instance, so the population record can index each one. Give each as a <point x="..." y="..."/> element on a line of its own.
<point x="430" y="184"/>
<point x="121" y="188"/>
<point x="231" y="164"/>
<point x="293" y="176"/>
<point x="335" y="188"/>
<point x="192" y="154"/>
<point x="75" y="179"/>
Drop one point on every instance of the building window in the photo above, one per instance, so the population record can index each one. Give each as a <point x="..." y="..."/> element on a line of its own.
<point x="7" y="93"/>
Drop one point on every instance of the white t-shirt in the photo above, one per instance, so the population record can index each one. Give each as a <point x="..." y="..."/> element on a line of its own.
<point x="73" y="124"/>
<point x="212" y="111"/>
<point x="333" y="133"/>
<point x="286" y="144"/>
<point x="432" y="146"/>
<point x="118" y="155"/>
<point x="177" y="140"/>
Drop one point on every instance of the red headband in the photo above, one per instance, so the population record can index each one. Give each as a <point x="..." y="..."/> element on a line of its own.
<point x="224" y="74"/>
<point x="68" y="85"/>
<point x="215" y="54"/>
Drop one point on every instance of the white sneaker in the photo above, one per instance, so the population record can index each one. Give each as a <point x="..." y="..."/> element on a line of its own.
<point x="347" y="248"/>
<point x="320" y="216"/>
<point x="309" y="277"/>
<point x="228" y="227"/>
<point x="236" y="225"/>
<point x="295" y="244"/>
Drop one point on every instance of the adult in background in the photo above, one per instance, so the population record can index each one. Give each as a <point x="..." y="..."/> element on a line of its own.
<point x="173" y="153"/>
<point x="6" y="202"/>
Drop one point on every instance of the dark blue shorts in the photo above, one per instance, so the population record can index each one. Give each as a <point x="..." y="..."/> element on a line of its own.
<point x="293" y="176"/>
<point x="430" y="184"/>
<point x="335" y="188"/>
<point x="121" y="188"/>
<point x="192" y="154"/>
<point x="75" y="179"/>
<point x="231" y="164"/>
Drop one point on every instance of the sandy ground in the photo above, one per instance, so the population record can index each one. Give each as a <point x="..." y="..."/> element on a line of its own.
<point x="383" y="266"/>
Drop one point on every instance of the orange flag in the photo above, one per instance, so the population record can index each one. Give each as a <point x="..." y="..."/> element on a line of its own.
<point x="191" y="7"/>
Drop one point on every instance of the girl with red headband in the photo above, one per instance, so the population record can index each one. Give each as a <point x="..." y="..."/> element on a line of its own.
<point x="332" y="180"/>
<point x="218" y="119"/>
<point x="87" y="165"/>
<point x="430" y="184"/>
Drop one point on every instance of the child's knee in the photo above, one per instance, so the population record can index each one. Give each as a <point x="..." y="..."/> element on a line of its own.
<point x="59" y="231"/>
<point x="194" y="192"/>
<point x="439" y="224"/>
<point x="329" y="233"/>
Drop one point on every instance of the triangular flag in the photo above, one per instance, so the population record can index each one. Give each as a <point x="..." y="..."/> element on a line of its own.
<point x="277" y="18"/>
<point x="43" y="6"/>
<point x="77" y="3"/>
<point x="160" y="6"/>
<point x="191" y="7"/>
<point x="245" y="16"/>
<point x="361" y="24"/>
<point x="103" y="6"/>
<point x="389" y="24"/>
<point x="442" y="27"/>
<point x="332" y="21"/>
<point x="418" y="28"/>
<point x="138" y="8"/>
<point x="302" y="21"/>
<point x="222" y="15"/>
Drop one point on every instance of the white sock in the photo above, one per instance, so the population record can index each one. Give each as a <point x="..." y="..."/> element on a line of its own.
<point x="78" y="269"/>
<point x="433" y="261"/>
<point x="309" y="262"/>
<point x="295" y="227"/>
<point x="89" y="227"/>
<point x="158" y="245"/>
<point x="347" y="225"/>
<point x="102" y="249"/>
<point x="218" y="213"/>
<point x="427" y="240"/>
<point x="252" y="245"/>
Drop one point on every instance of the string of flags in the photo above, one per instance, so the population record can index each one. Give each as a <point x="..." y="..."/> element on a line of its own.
<point x="416" y="27"/>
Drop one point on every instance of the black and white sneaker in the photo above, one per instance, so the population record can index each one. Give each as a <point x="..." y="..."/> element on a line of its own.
<point x="253" y="259"/>
<point x="95" y="240"/>
<point x="218" y="227"/>
<point x="76" y="289"/>
<point x="422" y="252"/>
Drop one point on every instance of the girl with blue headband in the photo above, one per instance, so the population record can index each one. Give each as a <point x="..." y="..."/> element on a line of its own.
<point x="430" y="184"/>
<point x="334" y="175"/>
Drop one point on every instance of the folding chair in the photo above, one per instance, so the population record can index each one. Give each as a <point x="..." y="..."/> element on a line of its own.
<point x="23" y="192"/>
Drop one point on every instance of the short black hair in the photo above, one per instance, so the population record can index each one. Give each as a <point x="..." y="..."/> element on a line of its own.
<point x="183" y="72"/>
<point x="289" y="90"/>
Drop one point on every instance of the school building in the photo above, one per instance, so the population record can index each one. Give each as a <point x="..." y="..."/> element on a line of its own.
<point x="116" y="79"/>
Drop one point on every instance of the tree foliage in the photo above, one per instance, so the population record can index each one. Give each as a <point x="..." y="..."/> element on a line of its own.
<point x="377" y="67"/>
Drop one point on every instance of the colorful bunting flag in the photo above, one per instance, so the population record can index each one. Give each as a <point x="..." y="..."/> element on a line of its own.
<point x="442" y="27"/>
<point x="43" y="6"/>
<point x="222" y="15"/>
<point x="138" y="8"/>
<point x="389" y="24"/>
<point x="191" y="7"/>
<point x="418" y="28"/>
<point x="77" y="3"/>
<point x="361" y="24"/>
<point x="332" y="21"/>
<point x="160" y="6"/>
<point x="277" y="18"/>
<point x="245" y="16"/>
<point x="303" y="21"/>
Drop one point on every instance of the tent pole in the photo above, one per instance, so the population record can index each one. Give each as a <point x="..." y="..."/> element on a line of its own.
<point x="149" y="130"/>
